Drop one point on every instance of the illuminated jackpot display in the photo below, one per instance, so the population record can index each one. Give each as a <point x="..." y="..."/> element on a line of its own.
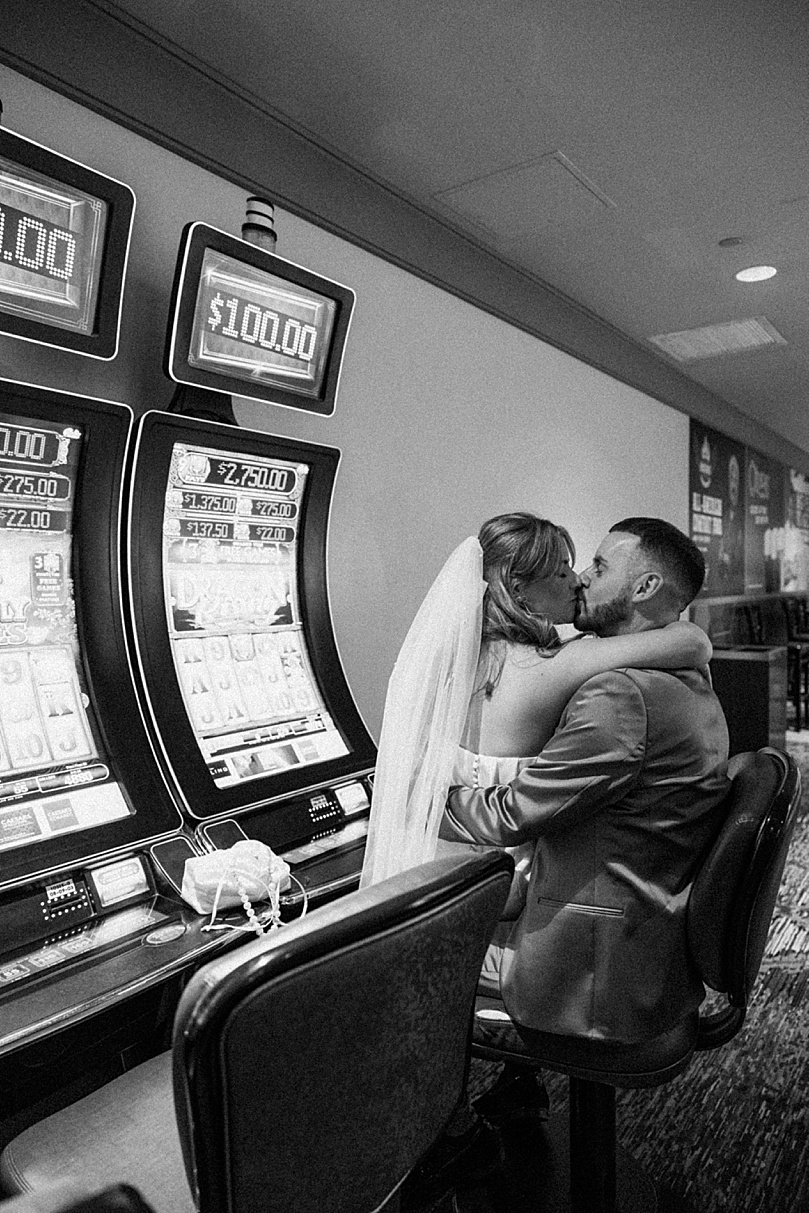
<point x="256" y="326"/>
<point x="247" y="322"/>
<point x="230" y="536"/>
<point x="64" y="240"/>
<point x="54" y="777"/>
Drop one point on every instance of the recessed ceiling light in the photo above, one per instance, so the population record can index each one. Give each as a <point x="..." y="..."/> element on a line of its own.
<point x="757" y="273"/>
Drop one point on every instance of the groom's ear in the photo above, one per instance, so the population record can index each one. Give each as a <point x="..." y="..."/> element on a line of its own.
<point x="646" y="586"/>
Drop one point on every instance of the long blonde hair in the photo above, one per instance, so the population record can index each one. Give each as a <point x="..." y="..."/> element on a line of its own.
<point x="517" y="548"/>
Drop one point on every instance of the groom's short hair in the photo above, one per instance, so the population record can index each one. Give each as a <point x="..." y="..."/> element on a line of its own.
<point x="682" y="563"/>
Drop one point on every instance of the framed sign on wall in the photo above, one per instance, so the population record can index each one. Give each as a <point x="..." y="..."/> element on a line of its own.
<point x="764" y="531"/>
<point x="717" y="490"/>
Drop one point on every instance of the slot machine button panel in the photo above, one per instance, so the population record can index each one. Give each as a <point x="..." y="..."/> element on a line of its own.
<point x="119" y="883"/>
<point x="322" y="835"/>
<point x="68" y="898"/>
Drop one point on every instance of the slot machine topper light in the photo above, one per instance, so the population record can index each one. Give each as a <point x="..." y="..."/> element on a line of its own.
<point x="64" y="242"/>
<point x="246" y="322"/>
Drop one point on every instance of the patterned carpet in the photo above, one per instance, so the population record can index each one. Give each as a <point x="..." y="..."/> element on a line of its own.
<point x="731" y="1135"/>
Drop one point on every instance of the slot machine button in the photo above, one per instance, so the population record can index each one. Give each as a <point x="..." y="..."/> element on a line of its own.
<point x="165" y="934"/>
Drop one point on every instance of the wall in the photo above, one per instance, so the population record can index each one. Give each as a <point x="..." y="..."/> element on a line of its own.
<point x="100" y="56"/>
<point x="446" y="414"/>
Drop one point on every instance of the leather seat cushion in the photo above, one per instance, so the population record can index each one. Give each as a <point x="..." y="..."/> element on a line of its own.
<point x="125" y="1132"/>
<point x="645" y="1063"/>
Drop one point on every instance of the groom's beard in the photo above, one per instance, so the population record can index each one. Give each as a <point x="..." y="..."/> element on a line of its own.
<point x="605" y="618"/>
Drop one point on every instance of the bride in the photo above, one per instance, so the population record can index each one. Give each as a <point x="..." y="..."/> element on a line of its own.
<point x="481" y="682"/>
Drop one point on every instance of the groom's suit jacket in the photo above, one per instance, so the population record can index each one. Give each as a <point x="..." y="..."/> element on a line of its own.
<point x="623" y="802"/>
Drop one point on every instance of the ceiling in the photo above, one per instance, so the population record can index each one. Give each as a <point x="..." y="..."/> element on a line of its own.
<point x="605" y="147"/>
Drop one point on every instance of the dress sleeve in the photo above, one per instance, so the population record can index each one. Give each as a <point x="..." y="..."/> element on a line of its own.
<point x="591" y="761"/>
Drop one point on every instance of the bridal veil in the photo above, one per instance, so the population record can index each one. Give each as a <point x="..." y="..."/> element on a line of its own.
<point x="425" y="712"/>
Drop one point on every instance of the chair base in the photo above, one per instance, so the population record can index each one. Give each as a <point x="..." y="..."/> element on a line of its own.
<point x="536" y="1178"/>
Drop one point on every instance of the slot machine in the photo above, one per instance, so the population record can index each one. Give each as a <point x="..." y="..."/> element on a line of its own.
<point x="90" y="833"/>
<point x="91" y="926"/>
<point x="246" y="697"/>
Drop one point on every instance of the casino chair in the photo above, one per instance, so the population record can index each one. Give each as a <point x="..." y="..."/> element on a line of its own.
<point x="797" y="642"/>
<point x="310" y="1069"/>
<point x="796" y="609"/>
<point x="579" y="1166"/>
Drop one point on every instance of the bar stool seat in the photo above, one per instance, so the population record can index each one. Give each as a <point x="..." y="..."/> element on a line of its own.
<point x="797" y="642"/>
<point x="729" y="912"/>
<point x="78" y="1198"/>
<point x="125" y="1132"/>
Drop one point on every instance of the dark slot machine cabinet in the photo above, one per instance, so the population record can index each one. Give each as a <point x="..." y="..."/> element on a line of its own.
<point x="250" y="709"/>
<point x="91" y="839"/>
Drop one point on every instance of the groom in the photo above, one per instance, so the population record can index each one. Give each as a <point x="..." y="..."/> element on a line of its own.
<point x="623" y="802"/>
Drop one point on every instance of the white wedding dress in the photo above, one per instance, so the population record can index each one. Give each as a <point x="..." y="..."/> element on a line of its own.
<point x="425" y="717"/>
<point x="484" y="771"/>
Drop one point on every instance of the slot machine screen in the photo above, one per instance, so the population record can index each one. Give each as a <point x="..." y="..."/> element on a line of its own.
<point x="64" y="242"/>
<point x="247" y="322"/>
<point x="229" y="589"/>
<point x="48" y="739"/>
<point x="65" y="690"/>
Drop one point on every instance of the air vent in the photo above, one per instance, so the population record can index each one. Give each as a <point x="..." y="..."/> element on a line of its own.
<point x="734" y="337"/>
